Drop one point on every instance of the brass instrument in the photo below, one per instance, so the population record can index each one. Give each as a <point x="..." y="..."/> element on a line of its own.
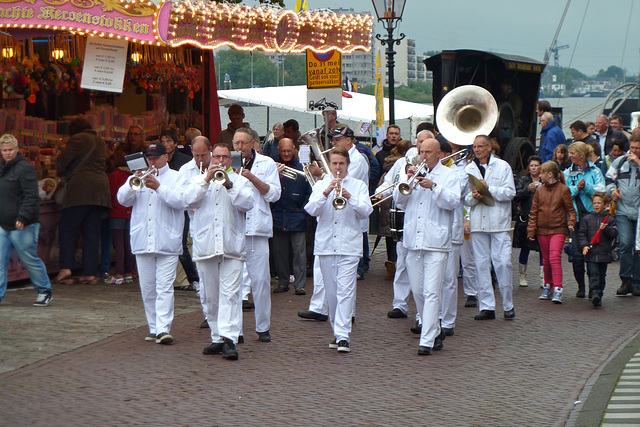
<point x="137" y="182"/>
<point x="339" y="202"/>
<point x="405" y="188"/>
<point x="292" y="173"/>
<point x="219" y="176"/>
<point x="312" y="139"/>
<point x="466" y="112"/>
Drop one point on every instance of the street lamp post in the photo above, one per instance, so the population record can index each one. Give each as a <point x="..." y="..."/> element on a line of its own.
<point x="389" y="12"/>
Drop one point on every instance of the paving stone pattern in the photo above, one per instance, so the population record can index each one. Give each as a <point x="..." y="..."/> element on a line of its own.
<point x="83" y="361"/>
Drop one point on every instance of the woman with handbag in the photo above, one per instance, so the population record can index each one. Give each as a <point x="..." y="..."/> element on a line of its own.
<point x="526" y="187"/>
<point x="86" y="199"/>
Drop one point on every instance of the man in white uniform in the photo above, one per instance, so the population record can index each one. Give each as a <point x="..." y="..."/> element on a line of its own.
<point x="157" y="222"/>
<point x="338" y="242"/>
<point x="358" y="168"/>
<point x="262" y="173"/>
<point x="490" y="226"/>
<point x="218" y="247"/>
<point x="427" y="237"/>
<point x="201" y="150"/>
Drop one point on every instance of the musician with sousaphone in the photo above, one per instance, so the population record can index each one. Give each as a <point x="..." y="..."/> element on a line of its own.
<point x="429" y="197"/>
<point x="340" y="202"/>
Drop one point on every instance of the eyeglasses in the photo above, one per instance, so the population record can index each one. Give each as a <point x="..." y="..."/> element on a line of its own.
<point x="221" y="157"/>
<point x="243" y="142"/>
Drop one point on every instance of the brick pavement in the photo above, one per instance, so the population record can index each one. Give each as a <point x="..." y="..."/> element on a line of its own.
<point x="526" y="372"/>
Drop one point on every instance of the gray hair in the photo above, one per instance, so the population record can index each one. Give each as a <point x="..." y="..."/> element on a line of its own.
<point x="425" y="132"/>
<point x="547" y="117"/>
<point x="7" y="138"/>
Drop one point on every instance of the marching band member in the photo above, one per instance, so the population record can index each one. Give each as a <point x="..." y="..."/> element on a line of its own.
<point x="201" y="151"/>
<point x="219" y="246"/>
<point x="157" y="221"/>
<point x="338" y="243"/>
<point x="490" y="226"/>
<point x="262" y="173"/>
<point x="427" y="237"/>
<point x="450" y="285"/>
<point x="341" y="136"/>
<point x="401" y="286"/>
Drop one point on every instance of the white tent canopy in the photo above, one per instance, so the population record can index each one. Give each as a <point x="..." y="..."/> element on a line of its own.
<point x="359" y="108"/>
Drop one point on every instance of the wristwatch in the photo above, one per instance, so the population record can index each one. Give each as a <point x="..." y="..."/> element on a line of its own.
<point x="433" y="186"/>
<point x="229" y="185"/>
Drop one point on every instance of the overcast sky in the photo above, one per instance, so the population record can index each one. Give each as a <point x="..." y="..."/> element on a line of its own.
<point x="520" y="27"/>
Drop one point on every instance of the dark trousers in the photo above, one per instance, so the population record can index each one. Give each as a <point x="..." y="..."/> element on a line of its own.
<point x="106" y="242"/>
<point x="365" y="251"/>
<point x="392" y="255"/>
<point x="290" y="255"/>
<point x="597" y="273"/>
<point x="578" y="259"/>
<point x="88" y="218"/>
<point x="124" y="257"/>
<point x="185" y="258"/>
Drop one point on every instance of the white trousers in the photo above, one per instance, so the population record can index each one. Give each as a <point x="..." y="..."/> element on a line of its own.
<point x="426" y="270"/>
<point x="203" y="292"/>
<point x="449" y="299"/>
<point x="258" y="268"/>
<point x="156" y="274"/>
<point x="317" y="302"/>
<point x="493" y="248"/>
<point x="401" y="286"/>
<point x="221" y="279"/>
<point x="469" y="275"/>
<point x="339" y="272"/>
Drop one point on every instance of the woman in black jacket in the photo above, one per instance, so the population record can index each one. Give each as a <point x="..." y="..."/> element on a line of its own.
<point x="526" y="187"/>
<point x="20" y="219"/>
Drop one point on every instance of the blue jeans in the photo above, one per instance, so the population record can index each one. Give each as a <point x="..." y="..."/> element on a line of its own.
<point x="629" y="263"/>
<point x="106" y="242"/>
<point x="597" y="277"/>
<point x="25" y="243"/>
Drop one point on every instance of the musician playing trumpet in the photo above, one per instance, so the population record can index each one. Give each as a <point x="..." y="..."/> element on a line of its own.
<point x="429" y="209"/>
<point x="338" y="241"/>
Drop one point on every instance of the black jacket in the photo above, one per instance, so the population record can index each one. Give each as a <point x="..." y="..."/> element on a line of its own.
<point x="178" y="160"/>
<point x="18" y="193"/>
<point x="385" y="152"/>
<point x="600" y="252"/>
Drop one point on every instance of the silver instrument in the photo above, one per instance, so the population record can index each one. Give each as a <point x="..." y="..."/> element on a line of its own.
<point x="292" y="173"/>
<point x="312" y="139"/>
<point x="219" y="176"/>
<point x="339" y="202"/>
<point x="466" y="112"/>
<point x="137" y="182"/>
<point x="406" y="188"/>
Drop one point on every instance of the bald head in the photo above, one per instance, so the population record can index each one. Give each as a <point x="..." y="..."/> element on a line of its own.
<point x="285" y="149"/>
<point x="430" y="152"/>
<point x="201" y="140"/>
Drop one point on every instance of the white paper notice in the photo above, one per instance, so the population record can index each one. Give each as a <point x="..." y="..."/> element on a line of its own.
<point x="104" y="63"/>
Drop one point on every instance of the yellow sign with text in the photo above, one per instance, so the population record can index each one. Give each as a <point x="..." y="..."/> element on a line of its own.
<point x="324" y="69"/>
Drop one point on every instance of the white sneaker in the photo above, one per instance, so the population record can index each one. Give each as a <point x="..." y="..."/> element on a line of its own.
<point x="557" y="296"/>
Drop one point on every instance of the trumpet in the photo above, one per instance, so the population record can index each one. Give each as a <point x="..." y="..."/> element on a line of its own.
<point x="137" y="182"/>
<point x="405" y="188"/>
<point x="219" y="176"/>
<point x="339" y="202"/>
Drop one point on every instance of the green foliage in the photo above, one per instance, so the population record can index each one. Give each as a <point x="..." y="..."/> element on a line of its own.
<point x="612" y="72"/>
<point x="238" y="65"/>
<point x="420" y="92"/>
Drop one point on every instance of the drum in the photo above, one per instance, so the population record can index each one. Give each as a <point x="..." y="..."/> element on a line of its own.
<point x="396" y="223"/>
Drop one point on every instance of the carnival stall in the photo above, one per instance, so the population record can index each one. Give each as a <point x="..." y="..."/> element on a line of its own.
<point x="125" y="62"/>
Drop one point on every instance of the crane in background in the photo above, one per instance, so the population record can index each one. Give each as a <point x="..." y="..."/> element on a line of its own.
<point x="554" y="50"/>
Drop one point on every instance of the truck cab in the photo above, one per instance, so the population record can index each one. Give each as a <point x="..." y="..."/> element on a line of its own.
<point x="514" y="82"/>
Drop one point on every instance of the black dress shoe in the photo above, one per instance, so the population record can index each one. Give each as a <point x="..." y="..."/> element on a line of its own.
<point x="510" y="314"/>
<point x="229" y="350"/>
<point x="471" y="301"/>
<point x="264" y="336"/>
<point x="597" y="300"/>
<point x="424" y="351"/>
<point x="447" y="331"/>
<point x="312" y="315"/>
<point x="281" y="289"/>
<point x="396" y="313"/>
<point x="417" y="328"/>
<point x="214" y="348"/>
<point x="247" y="305"/>
<point x="241" y="339"/>
<point x="485" y="315"/>
<point x="204" y="324"/>
<point x="438" y="343"/>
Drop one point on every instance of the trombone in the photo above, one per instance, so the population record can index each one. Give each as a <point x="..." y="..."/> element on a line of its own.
<point x="339" y="202"/>
<point x="137" y="182"/>
<point x="292" y="173"/>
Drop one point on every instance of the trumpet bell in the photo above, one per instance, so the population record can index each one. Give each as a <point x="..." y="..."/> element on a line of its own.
<point x="405" y="189"/>
<point x="136" y="183"/>
<point x="339" y="203"/>
<point x="219" y="177"/>
<point x="466" y="112"/>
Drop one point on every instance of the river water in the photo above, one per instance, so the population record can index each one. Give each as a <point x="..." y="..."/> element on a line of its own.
<point x="585" y="109"/>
